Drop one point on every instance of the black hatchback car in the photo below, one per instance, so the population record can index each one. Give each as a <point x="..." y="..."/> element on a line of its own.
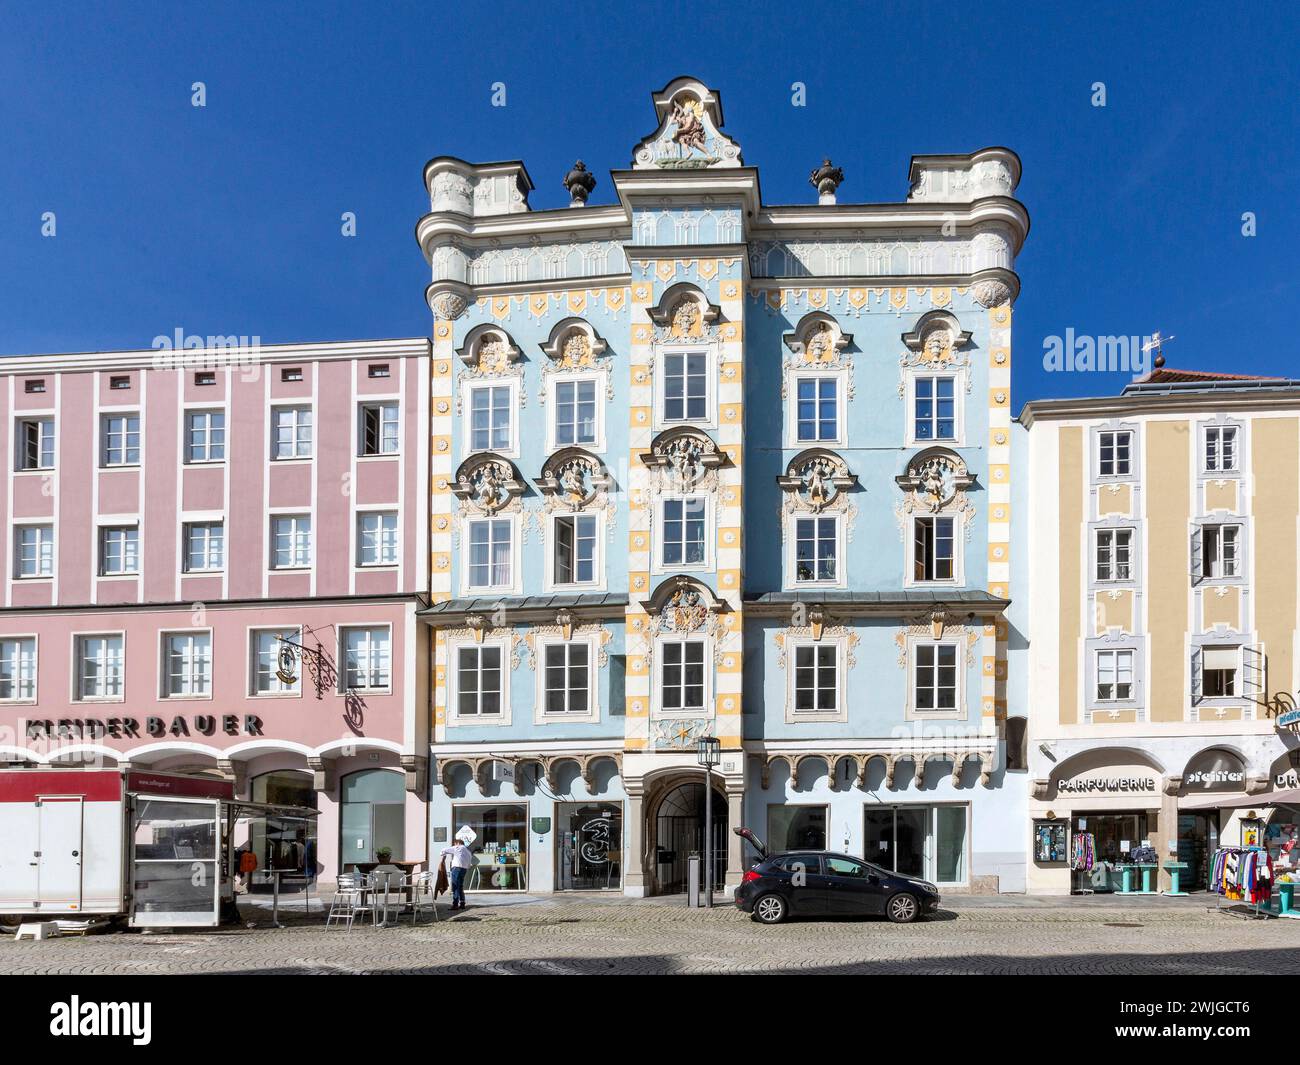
<point x="825" y="884"/>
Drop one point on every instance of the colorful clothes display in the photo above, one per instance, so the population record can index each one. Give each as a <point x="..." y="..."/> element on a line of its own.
<point x="1243" y="874"/>
<point x="1083" y="855"/>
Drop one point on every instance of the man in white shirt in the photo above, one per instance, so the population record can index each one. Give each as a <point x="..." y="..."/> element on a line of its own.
<point x="459" y="859"/>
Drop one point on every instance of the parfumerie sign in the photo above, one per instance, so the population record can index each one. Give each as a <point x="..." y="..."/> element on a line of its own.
<point x="131" y="728"/>
<point x="1092" y="785"/>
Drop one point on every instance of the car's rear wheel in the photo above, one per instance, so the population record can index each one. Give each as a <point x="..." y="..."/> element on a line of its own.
<point x="902" y="908"/>
<point x="770" y="909"/>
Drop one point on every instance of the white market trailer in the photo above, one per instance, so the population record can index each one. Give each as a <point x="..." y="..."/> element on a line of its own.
<point x="112" y="842"/>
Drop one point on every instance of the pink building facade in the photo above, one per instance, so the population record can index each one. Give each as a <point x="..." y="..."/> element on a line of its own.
<point x="214" y="560"/>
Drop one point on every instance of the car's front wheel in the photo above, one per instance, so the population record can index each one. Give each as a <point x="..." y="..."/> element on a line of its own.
<point x="770" y="909"/>
<point x="902" y="908"/>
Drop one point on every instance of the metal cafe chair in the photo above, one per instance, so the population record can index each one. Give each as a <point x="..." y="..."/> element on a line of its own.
<point x="421" y="889"/>
<point x="352" y="898"/>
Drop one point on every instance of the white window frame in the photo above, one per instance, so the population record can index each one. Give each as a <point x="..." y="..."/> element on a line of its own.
<point x="662" y="353"/>
<point x="592" y="714"/>
<point x="454" y="716"/>
<point x="1128" y="474"/>
<point x="45" y="436"/>
<point x="45" y="536"/>
<point x="344" y="668"/>
<point x="958" y="552"/>
<point x="101" y="550"/>
<point x="164" y="671"/>
<point x="958" y="376"/>
<point x="1217" y="430"/>
<point x="1115" y="699"/>
<point x="297" y="453"/>
<point x="957" y="643"/>
<point x="1113" y="532"/>
<point x="468" y="388"/>
<point x="792" y="582"/>
<point x="516" y="576"/>
<point x="78" y="692"/>
<point x="382" y="561"/>
<point x="18" y="639"/>
<point x="106" y="434"/>
<point x="277" y="691"/>
<point x="1238" y="559"/>
<point x="597" y="583"/>
<point x="840" y="647"/>
<point x="294" y="566"/>
<point x="795" y="374"/>
<point x="187" y="526"/>
<point x="1238" y="693"/>
<point x="657" y="542"/>
<point x="656" y="679"/>
<point x="600" y="381"/>
<point x="207" y="430"/>
<point x="379" y="407"/>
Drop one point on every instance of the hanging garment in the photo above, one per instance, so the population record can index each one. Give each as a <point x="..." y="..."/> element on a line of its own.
<point x="1084" y="852"/>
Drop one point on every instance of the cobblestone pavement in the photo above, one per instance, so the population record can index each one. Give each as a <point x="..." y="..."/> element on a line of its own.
<point x="597" y="936"/>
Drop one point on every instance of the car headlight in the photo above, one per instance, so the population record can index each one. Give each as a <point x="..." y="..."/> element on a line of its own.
<point x="933" y="889"/>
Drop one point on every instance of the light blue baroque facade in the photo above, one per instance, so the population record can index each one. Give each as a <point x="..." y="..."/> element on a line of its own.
<point x="706" y="466"/>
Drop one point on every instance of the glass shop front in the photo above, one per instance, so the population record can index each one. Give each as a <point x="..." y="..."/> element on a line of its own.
<point x="284" y="844"/>
<point x="589" y="840"/>
<point x="930" y="842"/>
<point x="499" y="846"/>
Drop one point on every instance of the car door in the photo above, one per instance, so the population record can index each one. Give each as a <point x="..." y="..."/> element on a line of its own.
<point x="806" y="889"/>
<point x="853" y="888"/>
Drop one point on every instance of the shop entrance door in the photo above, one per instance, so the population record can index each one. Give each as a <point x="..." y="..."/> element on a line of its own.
<point x="589" y="838"/>
<point x="896" y="838"/>
<point x="1198" y="839"/>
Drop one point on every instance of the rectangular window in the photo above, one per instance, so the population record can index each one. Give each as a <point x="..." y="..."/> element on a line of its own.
<point x="933" y="549"/>
<point x="119" y="441"/>
<point x="490" y="549"/>
<point x="204" y="378"/>
<point x="683" y="531"/>
<point x="567" y="679"/>
<point x="119" y="384"/>
<point x="205" y="546"/>
<point x="35" y="551"/>
<point x="1115" y="453"/>
<point x="205" y="436"/>
<point x="99" y="667"/>
<point x="378" y="369"/>
<point x="291" y="541"/>
<point x="277" y="666"/>
<point x="379" y="429"/>
<point x="377" y="539"/>
<point x="478" y="682"/>
<point x="816" y="678"/>
<point x="936" y="676"/>
<point x="681" y="675"/>
<point x="575" y="412"/>
<point x="36" y="444"/>
<point x="1114" y="554"/>
<point x="1220" y="448"/>
<point x="1219" y="672"/>
<point x="935" y="416"/>
<point x="817" y="408"/>
<point x="187" y="664"/>
<point x="1114" y="676"/>
<point x="575" y="549"/>
<point x="18" y="668"/>
<point x="685" y="386"/>
<point x="34" y="385"/>
<point x="291" y="433"/>
<point x="491" y="418"/>
<point x="119" y="550"/>
<point x="367" y="658"/>
<point x="816" y="544"/>
<point x="291" y="373"/>
<point x="1219" y="550"/>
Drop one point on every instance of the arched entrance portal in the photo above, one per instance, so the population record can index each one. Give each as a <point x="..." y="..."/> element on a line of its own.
<point x="676" y="830"/>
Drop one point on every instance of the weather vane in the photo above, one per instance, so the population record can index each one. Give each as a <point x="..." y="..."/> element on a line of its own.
<point x="1154" y="344"/>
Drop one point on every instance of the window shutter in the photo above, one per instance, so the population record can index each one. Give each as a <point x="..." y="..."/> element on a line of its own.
<point x="1197" y="555"/>
<point x="1196" y="675"/>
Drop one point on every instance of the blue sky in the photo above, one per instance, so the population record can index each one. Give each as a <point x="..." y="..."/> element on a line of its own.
<point x="226" y="219"/>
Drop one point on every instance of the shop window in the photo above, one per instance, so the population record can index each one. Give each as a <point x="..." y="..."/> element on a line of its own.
<point x="372" y="817"/>
<point x="922" y="841"/>
<point x="794" y="828"/>
<point x="500" y="845"/>
<point x="287" y="844"/>
<point x="589" y="841"/>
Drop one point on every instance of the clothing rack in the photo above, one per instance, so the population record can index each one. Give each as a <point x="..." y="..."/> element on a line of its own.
<point x="1247" y="871"/>
<point x="1083" y="859"/>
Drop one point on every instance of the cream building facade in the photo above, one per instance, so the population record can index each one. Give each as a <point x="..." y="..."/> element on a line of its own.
<point x="1162" y="554"/>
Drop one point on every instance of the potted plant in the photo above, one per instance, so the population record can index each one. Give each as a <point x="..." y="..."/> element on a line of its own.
<point x="384" y="855"/>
